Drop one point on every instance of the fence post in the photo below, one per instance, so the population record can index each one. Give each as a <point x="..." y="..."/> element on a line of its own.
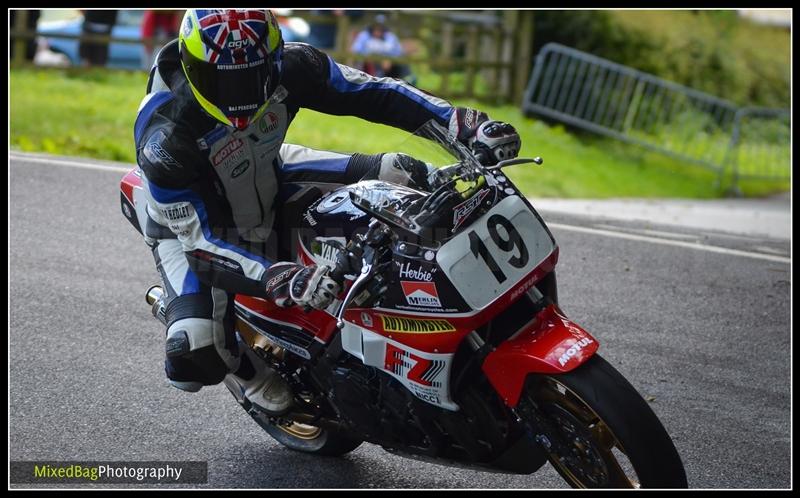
<point x="20" y="44"/>
<point x="342" y="35"/>
<point x="445" y="57"/>
<point x="509" y="27"/>
<point x="498" y="55"/>
<point x="732" y="159"/>
<point x="633" y="106"/>
<point x="472" y="59"/>
<point x="524" y="59"/>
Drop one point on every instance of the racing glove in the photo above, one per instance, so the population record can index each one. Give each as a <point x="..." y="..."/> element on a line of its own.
<point x="291" y="284"/>
<point x="491" y="141"/>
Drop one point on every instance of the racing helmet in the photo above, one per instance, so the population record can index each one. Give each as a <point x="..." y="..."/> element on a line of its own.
<point x="232" y="61"/>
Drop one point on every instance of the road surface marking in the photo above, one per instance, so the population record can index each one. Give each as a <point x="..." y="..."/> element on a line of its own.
<point x="71" y="164"/>
<point x="676" y="243"/>
<point x="657" y="233"/>
<point x="595" y="231"/>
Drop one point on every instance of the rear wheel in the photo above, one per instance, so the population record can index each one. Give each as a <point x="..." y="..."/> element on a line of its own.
<point x="307" y="438"/>
<point x="598" y="431"/>
<point x="295" y="435"/>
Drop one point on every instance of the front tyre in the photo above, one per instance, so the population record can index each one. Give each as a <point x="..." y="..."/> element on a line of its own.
<point x="598" y="431"/>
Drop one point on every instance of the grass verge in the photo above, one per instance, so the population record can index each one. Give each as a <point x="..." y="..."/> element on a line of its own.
<point x="91" y="114"/>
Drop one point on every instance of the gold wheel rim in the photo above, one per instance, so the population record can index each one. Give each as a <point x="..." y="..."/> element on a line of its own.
<point x="301" y="431"/>
<point x="601" y="435"/>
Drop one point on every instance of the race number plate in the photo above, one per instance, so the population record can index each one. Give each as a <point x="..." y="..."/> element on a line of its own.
<point x="495" y="253"/>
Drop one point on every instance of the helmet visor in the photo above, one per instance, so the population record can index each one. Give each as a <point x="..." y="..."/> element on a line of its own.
<point x="238" y="90"/>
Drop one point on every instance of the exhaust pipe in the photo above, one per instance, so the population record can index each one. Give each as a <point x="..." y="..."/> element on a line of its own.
<point x="155" y="297"/>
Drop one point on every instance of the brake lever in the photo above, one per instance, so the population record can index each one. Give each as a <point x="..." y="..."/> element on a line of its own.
<point x="366" y="273"/>
<point x="513" y="162"/>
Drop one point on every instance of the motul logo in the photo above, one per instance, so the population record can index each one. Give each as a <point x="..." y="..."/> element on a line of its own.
<point x="226" y="151"/>
<point x="574" y="350"/>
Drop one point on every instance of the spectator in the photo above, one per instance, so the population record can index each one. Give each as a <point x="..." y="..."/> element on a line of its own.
<point x="377" y="39"/>
<point x="158" y="26"/>
<point x="96" y="22"/>
<point x="30" y="25"/>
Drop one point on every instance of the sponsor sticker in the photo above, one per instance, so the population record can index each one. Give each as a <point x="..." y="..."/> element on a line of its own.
<point x="366" y="319"/>
<point x="407" y="272"/>
<point x="278" y="279"/>
<point x="187" y="27"/>
<point x="155" y="153"/>
<point x="241" y="168"/>
<point x="332" y="202"/>
<point x="422" y="371"/>
<point x="230" y="152"/>
<point x="421" y="293"/>
<point x="463" y="210"/>
<point x="573" y="350"/>
<point x="177" y="212"/>
<point x="268" y="123"/>
<point x="310" y="219"/>
<point x="415" y="325"/>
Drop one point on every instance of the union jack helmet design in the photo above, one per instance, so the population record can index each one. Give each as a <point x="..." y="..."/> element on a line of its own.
<point x="232" y="61"/>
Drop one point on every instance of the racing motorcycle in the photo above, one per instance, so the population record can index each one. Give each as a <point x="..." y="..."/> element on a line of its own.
<point x="447" y="343"/>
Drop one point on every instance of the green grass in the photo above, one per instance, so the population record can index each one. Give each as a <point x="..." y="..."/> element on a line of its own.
<point x="75" y="112"/>
<point x="91" y="114"/>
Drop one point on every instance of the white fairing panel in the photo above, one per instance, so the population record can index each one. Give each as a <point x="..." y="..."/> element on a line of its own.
<point x="467" y="269"/>
<point x="426" y="375"/>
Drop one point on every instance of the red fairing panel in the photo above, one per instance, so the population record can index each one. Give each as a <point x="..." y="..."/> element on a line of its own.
<point x="130" y="181"/>
<point x="317" y="322"/>
<point x="549" y="344"/>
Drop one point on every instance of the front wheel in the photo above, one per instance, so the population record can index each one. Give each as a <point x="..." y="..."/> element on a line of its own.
<point x="598" y="431"/>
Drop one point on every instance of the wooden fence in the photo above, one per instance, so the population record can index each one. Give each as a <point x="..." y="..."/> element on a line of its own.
<point x="485" y="55"/>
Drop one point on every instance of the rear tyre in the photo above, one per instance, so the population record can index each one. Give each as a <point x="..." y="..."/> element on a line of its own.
<point x="598" y="431"/>
<point x="297" y="436"/>
<point x="307" y="438"/>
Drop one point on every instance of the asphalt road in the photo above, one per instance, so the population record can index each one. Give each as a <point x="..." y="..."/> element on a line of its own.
<point x="704" y="335"/>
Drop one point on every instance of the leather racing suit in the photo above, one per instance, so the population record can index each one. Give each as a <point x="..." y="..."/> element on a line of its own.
<point x="214" y="193"/>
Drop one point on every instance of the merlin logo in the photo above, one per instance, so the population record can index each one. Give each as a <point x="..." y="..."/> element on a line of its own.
<point x="421" y="294"/>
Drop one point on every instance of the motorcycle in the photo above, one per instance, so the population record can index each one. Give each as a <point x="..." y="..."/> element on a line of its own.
<point x="447" y="343"/>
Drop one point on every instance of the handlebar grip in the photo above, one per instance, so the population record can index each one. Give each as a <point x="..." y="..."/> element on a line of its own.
<point x="342" y="268"/>
<point x="337" y="275"/>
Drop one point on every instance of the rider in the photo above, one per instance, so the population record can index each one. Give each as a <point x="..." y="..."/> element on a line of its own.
<point x="209" y="141"/>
